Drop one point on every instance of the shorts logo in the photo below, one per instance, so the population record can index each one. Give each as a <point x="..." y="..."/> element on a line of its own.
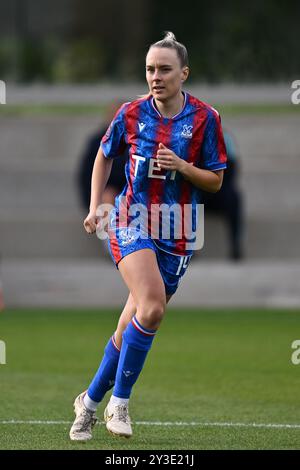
<point x="187" y="132"/>
<point x="128" y="235"/>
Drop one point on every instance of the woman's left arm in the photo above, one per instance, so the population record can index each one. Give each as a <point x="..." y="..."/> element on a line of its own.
<point x="210" y="181"/>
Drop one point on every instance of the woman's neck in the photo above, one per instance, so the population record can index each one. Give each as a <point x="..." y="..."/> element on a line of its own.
<point x="170" y="108"/>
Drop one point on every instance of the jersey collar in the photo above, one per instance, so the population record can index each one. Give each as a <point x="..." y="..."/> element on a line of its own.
<point x="152" y="103"/>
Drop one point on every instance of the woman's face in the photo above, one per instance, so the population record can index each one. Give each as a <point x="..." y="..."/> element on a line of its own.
<point x="164" y="73"/>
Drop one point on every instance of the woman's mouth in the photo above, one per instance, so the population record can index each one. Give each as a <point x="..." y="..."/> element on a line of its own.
<point x="158" y="88"/>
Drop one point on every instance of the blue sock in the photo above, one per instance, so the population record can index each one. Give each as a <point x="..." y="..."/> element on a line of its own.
<point x="136" y="343"/>
<point x="105" y="375"/>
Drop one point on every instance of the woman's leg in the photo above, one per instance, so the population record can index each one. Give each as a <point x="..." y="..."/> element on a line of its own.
<point x="104" y="378"/>
<point x="142" y="276"/>
<point x="106" y="374"/>
<point x="126" y="316"/>
<point x="141" y="273"/>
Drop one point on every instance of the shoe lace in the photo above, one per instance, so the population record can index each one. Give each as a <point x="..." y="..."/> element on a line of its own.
<point x="122" y="413"/>
<point x="86" y="419"/>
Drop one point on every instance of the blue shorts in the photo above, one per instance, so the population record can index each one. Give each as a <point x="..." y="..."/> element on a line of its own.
<point x="172" y="267"/>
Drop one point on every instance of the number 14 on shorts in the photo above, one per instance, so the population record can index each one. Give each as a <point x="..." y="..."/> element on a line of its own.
<point x="183" y="264"/>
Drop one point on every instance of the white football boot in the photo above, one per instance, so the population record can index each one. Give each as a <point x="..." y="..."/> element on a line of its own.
<point x="117" y="420"/>
<point x="85" y="420"/>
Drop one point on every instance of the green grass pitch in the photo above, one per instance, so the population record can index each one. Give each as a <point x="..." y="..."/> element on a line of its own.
<point x="213" y="380"/>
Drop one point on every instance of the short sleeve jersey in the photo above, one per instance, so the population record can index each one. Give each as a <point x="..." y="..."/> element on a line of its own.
<point x="194" y="134"/>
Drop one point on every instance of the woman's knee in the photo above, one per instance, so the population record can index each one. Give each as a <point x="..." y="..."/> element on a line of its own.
<point x="150" y="313"/>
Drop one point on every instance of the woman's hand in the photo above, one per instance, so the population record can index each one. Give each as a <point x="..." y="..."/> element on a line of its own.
<point x="90" y="222"/>
<point x="168" y="160"/>
<point x="210" y="181"/>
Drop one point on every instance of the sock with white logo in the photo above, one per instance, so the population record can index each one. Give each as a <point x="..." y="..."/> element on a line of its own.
<point x="136" y="342"/>
<point x="105" y="376"/>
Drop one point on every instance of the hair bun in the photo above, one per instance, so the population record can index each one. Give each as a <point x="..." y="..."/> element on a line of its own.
<point x="169" y="36"/>
<point x="169" y="41"/>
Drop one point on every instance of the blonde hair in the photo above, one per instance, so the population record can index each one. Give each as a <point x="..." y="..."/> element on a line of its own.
<point x="169" y="41"/>
<point x="169" y="36"/>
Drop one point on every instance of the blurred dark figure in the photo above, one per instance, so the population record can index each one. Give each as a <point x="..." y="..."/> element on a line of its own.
<point x="117" y="179"/>
<point x="228" y="201"/>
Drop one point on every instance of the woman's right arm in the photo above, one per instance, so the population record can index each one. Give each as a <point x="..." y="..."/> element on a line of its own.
<point x="101" y="172"/>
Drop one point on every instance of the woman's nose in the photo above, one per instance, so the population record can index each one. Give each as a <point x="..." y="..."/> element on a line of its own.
<point x="156" y="75"/>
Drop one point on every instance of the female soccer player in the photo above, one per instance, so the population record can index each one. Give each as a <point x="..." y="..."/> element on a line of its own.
<point x="176" y="149"/>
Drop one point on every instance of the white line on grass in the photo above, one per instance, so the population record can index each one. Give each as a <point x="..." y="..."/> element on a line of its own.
<point x="170" y="423"/>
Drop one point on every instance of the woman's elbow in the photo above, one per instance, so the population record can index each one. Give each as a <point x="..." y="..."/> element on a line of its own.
<point x="215" y="187"/>
<point x="218" y="183"/>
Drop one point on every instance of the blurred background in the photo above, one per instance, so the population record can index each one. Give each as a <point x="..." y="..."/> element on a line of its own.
<point x="66" y="65"/>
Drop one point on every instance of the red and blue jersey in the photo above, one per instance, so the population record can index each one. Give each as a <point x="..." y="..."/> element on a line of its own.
<point x="194" y="134"/>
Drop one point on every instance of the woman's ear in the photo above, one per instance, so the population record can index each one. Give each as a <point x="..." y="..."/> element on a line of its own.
<point x="184" y="74"/>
